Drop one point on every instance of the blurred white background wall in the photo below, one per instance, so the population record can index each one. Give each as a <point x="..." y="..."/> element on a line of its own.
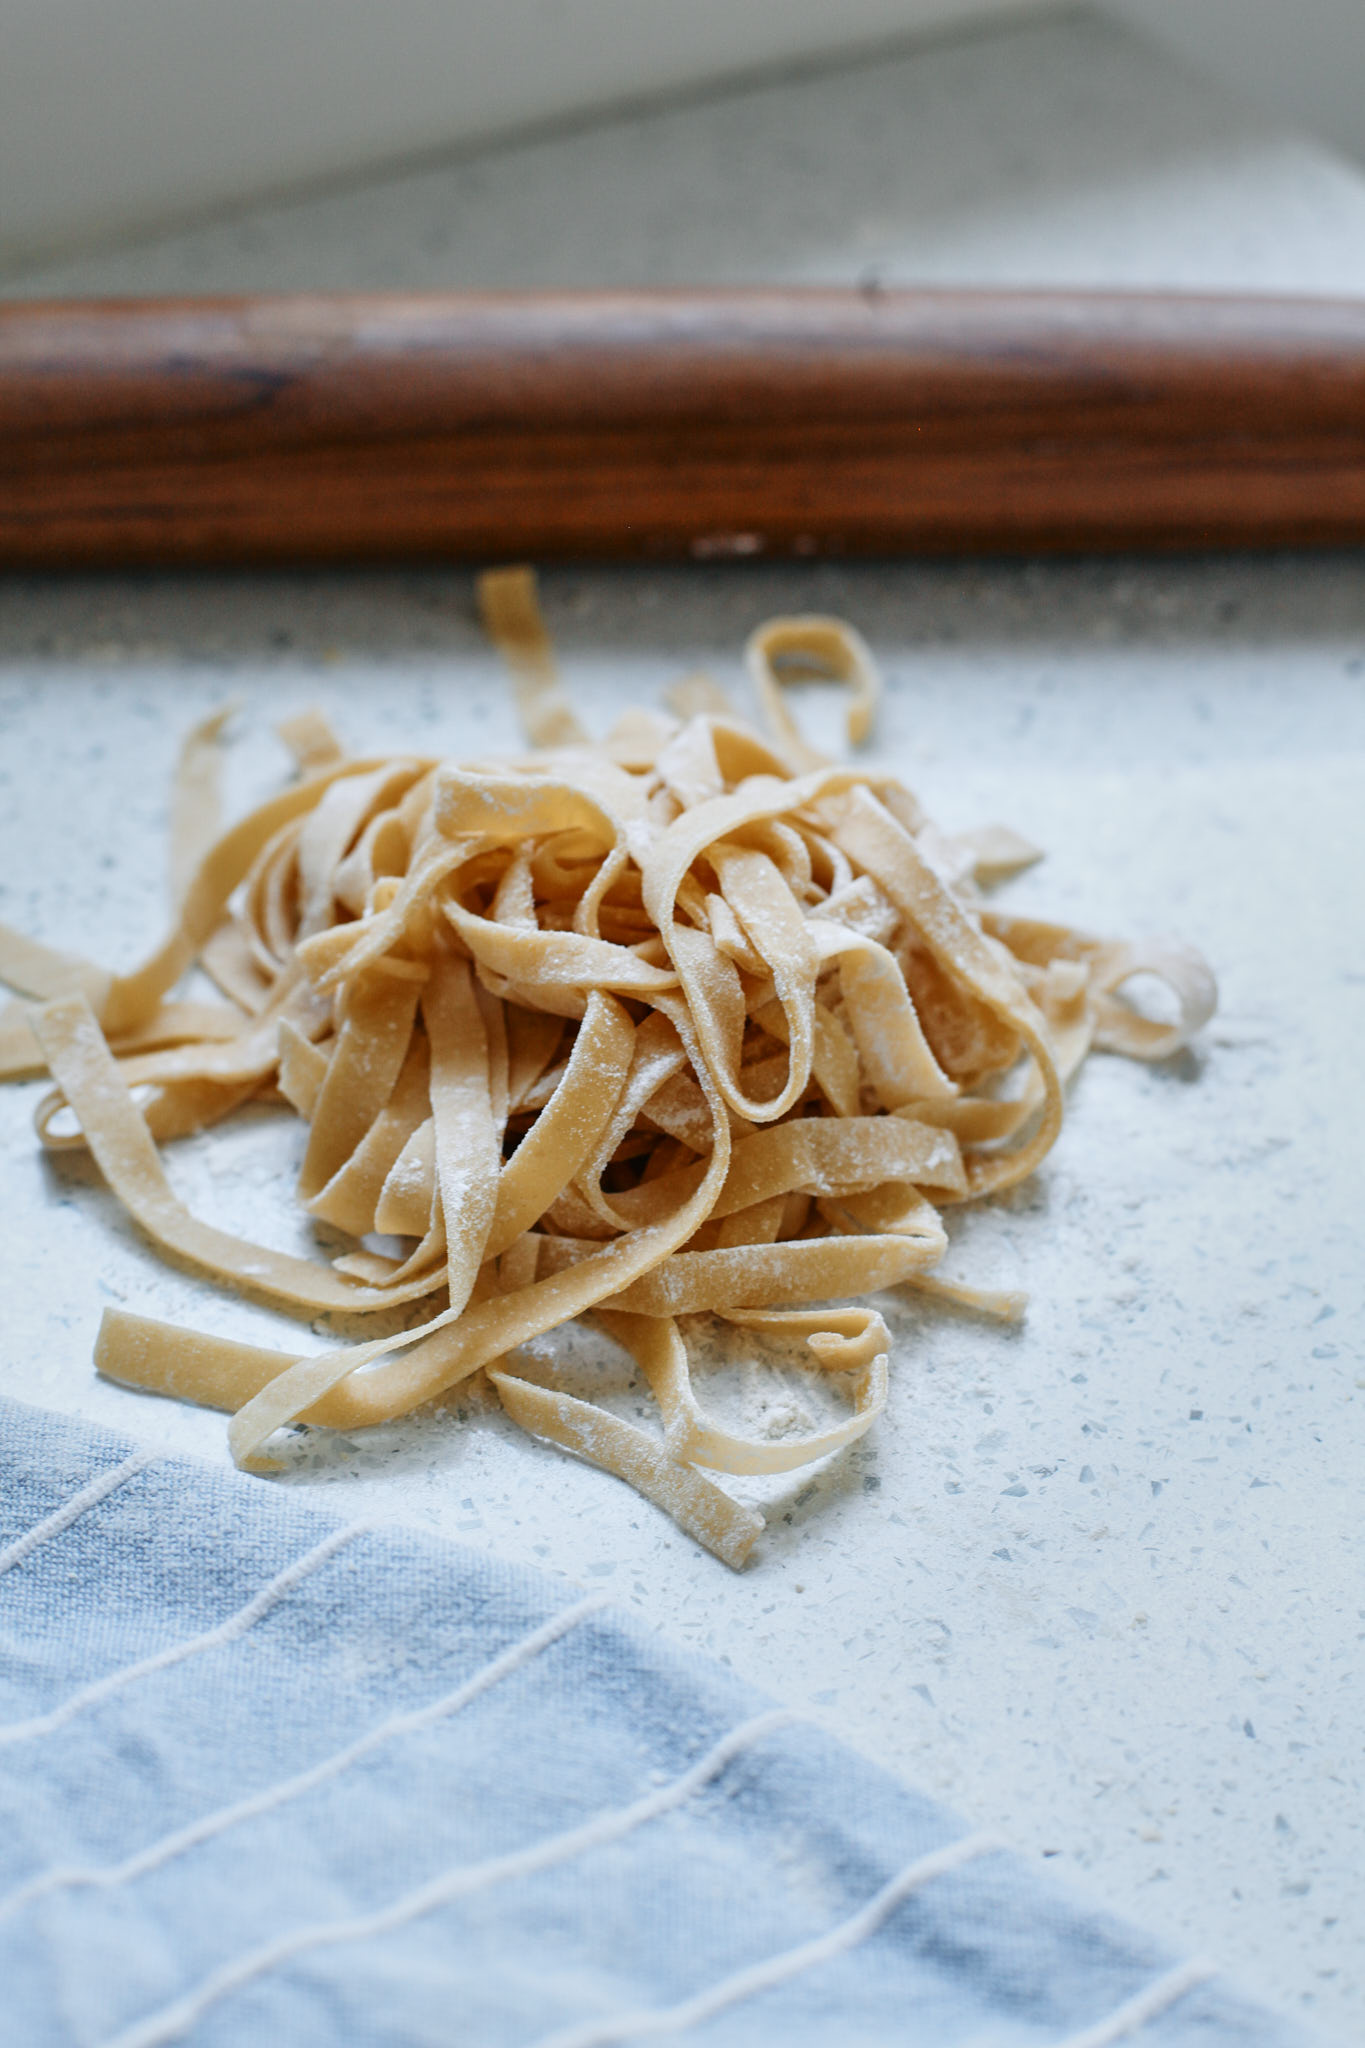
<point x="1303" y="60"/>
<point x="115" y="118"/>
<point x="119" y="113"/>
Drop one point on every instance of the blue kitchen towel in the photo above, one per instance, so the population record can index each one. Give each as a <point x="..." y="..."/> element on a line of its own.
<point x="271" y="1779"/>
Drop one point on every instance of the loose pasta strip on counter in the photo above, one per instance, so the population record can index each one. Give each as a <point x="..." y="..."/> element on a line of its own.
<point x="692" y="1023"/>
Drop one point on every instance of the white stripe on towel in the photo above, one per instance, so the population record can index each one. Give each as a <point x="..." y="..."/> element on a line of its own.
<point x="226" y="1632"/>
<point x="1146" y="2005"/>
<point x="645" y="2024"/>
<point x="169" y="1846"/>
<point x="80" y="1503"/>
<point x="177" y="2018"/>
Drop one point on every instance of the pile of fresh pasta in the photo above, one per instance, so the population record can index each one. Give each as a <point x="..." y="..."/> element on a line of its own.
<point x="691" y="1023"/>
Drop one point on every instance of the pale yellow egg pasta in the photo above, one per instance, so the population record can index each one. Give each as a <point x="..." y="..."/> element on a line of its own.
<point x="688" y="1022"/>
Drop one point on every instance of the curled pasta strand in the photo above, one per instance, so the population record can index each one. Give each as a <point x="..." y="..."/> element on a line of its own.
<point x="841" y="1341"/>
<point x="807" y="647"/>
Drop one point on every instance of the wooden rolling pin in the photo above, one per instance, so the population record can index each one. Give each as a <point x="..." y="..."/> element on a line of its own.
<point x="660" y="423"/>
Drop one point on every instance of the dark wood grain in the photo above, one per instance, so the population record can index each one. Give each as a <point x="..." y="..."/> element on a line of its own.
<point x="667" y="423"/>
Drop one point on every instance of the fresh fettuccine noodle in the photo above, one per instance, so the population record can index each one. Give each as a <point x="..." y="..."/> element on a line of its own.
<point x="689" y="1023"/>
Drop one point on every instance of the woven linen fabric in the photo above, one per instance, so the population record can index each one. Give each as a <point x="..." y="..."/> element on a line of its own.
<point x="270" y="1778"/>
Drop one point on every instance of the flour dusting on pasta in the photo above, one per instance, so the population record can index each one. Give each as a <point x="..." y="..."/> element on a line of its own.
<point x="691" y="1022"/>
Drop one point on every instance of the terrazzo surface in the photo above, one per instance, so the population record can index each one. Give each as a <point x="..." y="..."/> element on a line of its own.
<point x="1097" y="1581"/>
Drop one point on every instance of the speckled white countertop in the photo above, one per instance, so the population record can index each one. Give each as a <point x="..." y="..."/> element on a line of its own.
<point x="1099" y="1580"/>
